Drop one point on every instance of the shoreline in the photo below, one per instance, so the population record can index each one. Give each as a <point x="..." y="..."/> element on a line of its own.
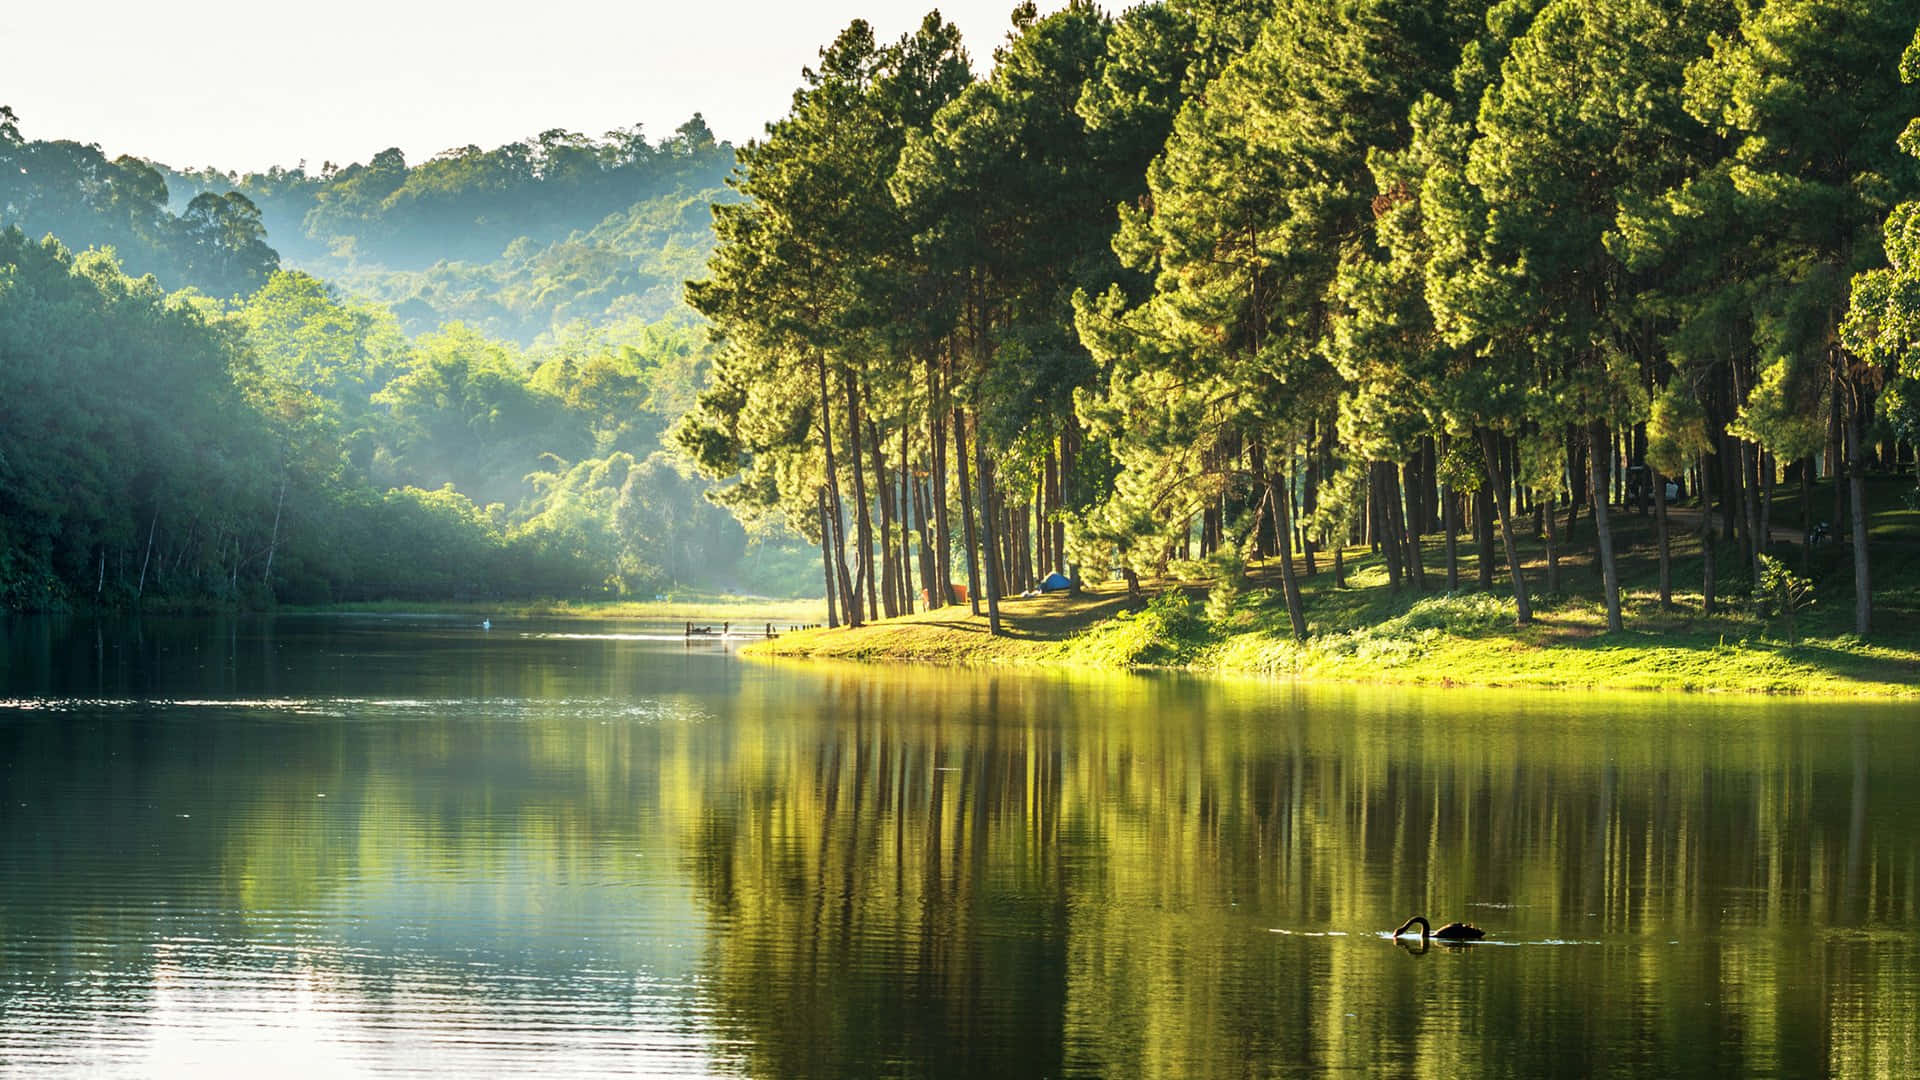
<point x="744" y="612"/>
<point x="1464" y="639"/>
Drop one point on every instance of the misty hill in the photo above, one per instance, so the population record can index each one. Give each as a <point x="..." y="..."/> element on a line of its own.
<point x="213" y="241"/>
<point x="519" y="242"/>
<point x="384" y="426"/>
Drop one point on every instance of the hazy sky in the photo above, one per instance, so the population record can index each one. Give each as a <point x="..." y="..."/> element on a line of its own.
<point x="245" y="86"/>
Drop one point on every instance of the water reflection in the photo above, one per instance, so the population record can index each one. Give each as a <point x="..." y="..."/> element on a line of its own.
<point x="369" y="847"/>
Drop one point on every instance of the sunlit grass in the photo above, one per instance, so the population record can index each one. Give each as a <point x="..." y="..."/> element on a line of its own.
<point x="1367" y="632"/>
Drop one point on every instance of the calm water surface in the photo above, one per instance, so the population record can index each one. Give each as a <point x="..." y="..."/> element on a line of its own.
<point x="343" y="846"/>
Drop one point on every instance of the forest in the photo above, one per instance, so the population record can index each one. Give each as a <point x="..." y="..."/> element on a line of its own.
<point x="1227" y="280"/>
<point x="190" y="417"/>
<point x="1204" y="284"/>
<point x="524" y="242"/>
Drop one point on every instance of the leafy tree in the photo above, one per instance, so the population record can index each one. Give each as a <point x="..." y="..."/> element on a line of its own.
<point x="71" y="190"/>
<point x="1585" y="114"/>
<point x="1806" y="93"/>
<point x="1013" y="201"/>
<point x="792" y="290"/>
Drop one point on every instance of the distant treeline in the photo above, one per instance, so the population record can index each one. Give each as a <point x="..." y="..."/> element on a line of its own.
<point x="520" y="241"/>
<point x="216" y="242"/>
<point x="1227" y="279"/>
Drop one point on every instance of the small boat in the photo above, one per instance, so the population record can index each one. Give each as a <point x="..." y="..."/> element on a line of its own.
<point x="1453" y="931"/>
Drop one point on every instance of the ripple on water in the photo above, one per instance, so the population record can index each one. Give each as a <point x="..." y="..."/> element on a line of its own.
<point x="387" y="708"/>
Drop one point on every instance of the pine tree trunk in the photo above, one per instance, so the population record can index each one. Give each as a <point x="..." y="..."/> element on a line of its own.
<point x="929" y="561"/>
<point x="1707" y="568"/>
<point x="1522" y="609"/>
<point x="1576" y="486"/>
<point x="941" y="594"/>
<point x="1731" y="519"/>
<point x="851" y="600"/>
<point x="988" y="545"/>
<point x="966" y="509"/>
<point x="1857" y="496"/>
<point x="906" y="513"/>
<point x="1310" y="504"/>
<point x="1383" y="516"/>
<point x="1609" y="573"/>
<point x="1483" y="523"/>
<point x="1550" y="519"/>
<point x="1049" y="503"/>
<point x="883" y="498"/>
<point x="1429" y="485"/>
<point x="1616" y="473"/>
<point x="1069" y="453"/>
<point x="1410" y="533"/>
<point x="1289" y="585"/>
<point x="862" y="518"/>
<point x="1450" y="521"/>
<point x="826" y="557"/>
<point x="1666" y="547"/>
<point x="1750" y="508"/>
<point x="1011" y="516"/>
<point x="1033" y="531"/>
<point x="1768" y="466"/>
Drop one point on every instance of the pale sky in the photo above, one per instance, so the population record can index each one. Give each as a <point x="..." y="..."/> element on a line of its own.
<point x="248" y="86"/>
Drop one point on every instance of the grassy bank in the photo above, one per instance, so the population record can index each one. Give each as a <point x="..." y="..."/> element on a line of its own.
<point x="1363" y="631"/>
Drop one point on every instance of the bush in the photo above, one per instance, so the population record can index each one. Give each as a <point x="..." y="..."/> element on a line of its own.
<point x="1169" y="631"/>
<point x="1786" y="591"/>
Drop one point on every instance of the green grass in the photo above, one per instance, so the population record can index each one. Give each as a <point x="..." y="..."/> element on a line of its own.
<point x="1031" y="632"/>
<point x="1366" y="632"/>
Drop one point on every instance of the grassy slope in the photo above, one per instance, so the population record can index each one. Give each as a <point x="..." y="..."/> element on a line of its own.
<point x="1367" y="633"/>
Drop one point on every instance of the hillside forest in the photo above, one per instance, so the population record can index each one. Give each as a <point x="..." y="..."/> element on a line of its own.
<point x="1221" y="280"/>
<point x="441" y="381"/>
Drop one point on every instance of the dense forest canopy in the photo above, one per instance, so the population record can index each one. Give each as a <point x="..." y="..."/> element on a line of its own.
<point x="186" y="421"/>
<point x="1236" y="279"/>
<point x="525" y="241"/>
<point x="215" y="242"/>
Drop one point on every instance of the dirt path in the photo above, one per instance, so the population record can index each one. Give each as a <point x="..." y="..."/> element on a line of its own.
<point x="1688" y="517"/>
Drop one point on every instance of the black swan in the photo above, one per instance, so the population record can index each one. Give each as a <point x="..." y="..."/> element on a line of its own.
<point x="1453" y="931"/>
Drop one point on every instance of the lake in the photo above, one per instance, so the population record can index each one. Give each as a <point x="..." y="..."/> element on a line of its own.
<point x="381" y="846"/>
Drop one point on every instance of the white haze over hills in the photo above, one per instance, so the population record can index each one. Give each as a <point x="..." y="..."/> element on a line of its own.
<point x="248" y="87"/>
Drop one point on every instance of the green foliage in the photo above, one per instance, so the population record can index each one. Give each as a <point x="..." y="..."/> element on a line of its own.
<point x="1788" y="592"/>
<point x="1168" y="632"/>
<point x="217" y="243"/>
<point x="1676" y="431"/>
<point x="626" y="267"/>
<point x="1229" y="575"/>
<point x="1400" y="638"/>
<point x="522" y="242"/>
<point x="166" y="449"/>
<point x="1785" y="411"/>
<point x="118" y="413"/>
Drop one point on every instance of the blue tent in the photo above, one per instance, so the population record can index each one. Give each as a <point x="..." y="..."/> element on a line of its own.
<point x="1055" y="582"/>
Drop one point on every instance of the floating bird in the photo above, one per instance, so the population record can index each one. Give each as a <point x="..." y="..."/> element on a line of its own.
<point x="486" y="624"/>
<point x="1453" y="931"/>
